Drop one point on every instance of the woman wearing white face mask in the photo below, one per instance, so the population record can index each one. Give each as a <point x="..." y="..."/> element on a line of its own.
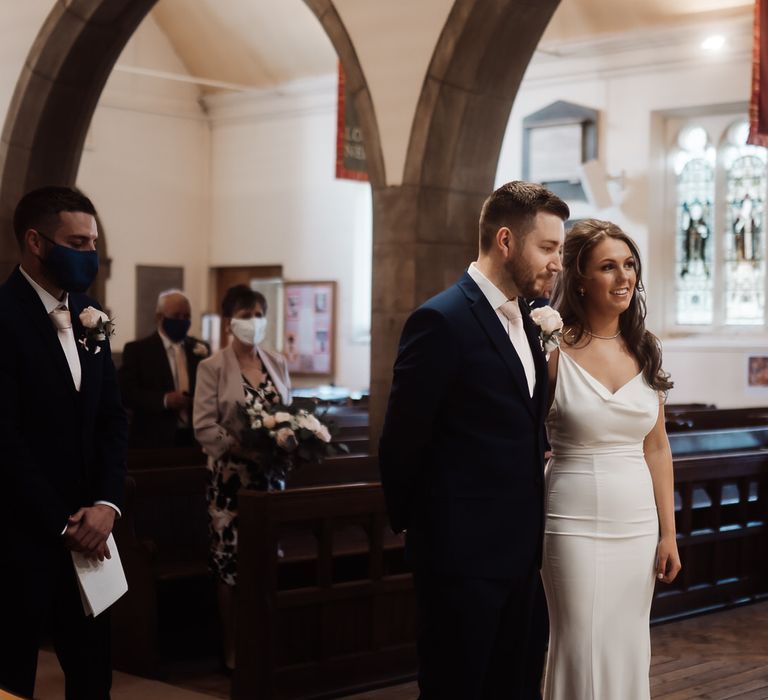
<point x="223" y="382"/>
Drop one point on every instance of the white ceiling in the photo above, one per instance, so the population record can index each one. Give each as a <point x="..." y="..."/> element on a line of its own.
<point x="261" y="43"/>
<point x="256" y="43"/>
<point x="581" y="19"/>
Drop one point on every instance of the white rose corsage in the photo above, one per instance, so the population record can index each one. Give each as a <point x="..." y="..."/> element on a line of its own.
<point x="98" y="327"/>
<point x="550" y="325"/>
<point x="200" y="349"/>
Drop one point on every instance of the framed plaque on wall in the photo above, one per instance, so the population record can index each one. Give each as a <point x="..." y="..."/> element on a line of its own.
<point x="309" y="327"/>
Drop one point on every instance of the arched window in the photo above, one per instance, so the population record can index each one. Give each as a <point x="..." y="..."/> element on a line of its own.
<point x="744" y="233"/>
<point x="695" y="171"/>
<point x="719" y="219"/>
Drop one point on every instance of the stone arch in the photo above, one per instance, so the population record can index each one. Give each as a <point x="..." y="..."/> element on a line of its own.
<point x="425" y="231"/>
<point x="55" y="97"/>
<point x="62" y="80"/>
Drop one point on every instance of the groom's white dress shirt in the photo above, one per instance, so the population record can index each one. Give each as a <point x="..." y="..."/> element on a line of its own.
<point x="68" y="345"/>
<point x="66" y="335"/>
<point x="511" y="319"/>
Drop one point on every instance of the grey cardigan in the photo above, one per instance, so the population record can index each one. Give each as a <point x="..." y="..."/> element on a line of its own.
<point x="219" y="393"/>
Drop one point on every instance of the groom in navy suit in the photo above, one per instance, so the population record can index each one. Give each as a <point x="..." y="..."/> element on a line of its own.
<point x="461" y="456"/>
<point x="63" y="436"/>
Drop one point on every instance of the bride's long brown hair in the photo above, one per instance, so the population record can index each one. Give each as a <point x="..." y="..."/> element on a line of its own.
<point x="580" y="241"/>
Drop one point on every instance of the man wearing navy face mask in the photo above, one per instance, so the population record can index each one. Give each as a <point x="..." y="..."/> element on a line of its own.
<point x="63" y="434"/>
<point x="157" y="377"/>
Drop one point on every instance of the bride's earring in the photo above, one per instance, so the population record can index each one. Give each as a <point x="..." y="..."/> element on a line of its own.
<point x="581" y="292"/>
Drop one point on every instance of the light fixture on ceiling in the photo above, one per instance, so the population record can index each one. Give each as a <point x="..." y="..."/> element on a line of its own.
<point x="713" y="43"/>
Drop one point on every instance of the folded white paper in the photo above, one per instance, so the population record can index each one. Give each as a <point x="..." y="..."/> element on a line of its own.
<point x="101" y="582"/>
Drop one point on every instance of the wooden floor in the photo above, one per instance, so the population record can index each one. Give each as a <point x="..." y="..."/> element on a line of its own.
<point x="721" y="656"/>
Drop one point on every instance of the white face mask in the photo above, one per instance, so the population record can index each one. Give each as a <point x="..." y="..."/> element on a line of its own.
<point x="249" y="331"/>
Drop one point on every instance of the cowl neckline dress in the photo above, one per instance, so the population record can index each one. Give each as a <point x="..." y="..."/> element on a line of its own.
<point x="600" y="538"/>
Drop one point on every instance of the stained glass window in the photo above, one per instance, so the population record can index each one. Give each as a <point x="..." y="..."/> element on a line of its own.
<point x="743" y="236"/>
<point x="720" y="243"/>
<point x="695" y="171"/>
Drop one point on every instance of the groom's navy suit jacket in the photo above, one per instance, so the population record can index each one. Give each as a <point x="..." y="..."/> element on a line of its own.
<point x="462" y="449"/>
<point x="60" y="449"/>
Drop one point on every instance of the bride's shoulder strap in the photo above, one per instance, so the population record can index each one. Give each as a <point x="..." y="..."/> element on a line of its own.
<point x="554" y="358"/>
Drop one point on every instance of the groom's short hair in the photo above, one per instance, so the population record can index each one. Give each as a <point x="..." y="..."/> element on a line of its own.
<point x="40" y="208"/>
<point x="515" y="205"/>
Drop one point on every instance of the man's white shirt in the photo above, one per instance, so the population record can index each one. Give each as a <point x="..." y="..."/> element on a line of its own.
<point x="496" y="298"/>
<point x="170" y="353"/>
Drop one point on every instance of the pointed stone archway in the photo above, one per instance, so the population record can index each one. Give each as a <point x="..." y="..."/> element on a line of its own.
<point x="62" y="80"/>
<point x="425" y="230"/>
<point x="55" y="97"/>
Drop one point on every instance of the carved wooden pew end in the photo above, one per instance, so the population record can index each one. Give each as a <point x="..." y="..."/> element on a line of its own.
<point x="347" y="621"/>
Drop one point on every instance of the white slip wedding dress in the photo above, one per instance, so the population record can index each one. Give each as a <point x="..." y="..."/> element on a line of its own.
<point x="600" y="538"/>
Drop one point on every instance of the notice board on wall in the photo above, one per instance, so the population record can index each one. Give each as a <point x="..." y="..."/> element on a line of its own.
<point x="309" y="327"/>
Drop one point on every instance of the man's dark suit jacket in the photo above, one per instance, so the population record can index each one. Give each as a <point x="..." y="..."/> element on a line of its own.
<point x="145" y="378"/>
<point x="462" y="449"/>
<point x="61" y="449"/>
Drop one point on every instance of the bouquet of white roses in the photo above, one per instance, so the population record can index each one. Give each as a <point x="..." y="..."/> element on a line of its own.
<point x="285" y="437"/>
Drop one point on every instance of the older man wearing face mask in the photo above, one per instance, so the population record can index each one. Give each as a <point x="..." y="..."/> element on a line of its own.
<point x="242" y="369"/>
<point x="157" y="377"/>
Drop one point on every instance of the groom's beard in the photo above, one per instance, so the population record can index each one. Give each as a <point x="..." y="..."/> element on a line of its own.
<point x="529" y="285"/>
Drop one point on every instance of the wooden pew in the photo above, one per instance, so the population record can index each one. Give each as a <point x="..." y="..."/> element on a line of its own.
<point x="675" y="408"/>
<point x="707" y="419"/>
<point x="170" y="610"/>
<point x="349" y="624"/>
<point x="163" y="543"/>
<point x="721" y="513"/>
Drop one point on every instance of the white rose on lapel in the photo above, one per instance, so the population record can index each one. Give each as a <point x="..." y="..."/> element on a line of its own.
<point x="200" y="350"/>
<point x="550" y="324"/>
<point x="93" y="318"/>
<point x="98" y="327"/>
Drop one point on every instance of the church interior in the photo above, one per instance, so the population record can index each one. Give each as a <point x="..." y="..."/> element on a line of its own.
<point x="334" y="155"/>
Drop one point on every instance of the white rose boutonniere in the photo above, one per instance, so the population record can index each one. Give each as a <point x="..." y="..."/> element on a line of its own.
<point x="551" y="327"/>
<point x="98" y="327"/>
<point x="200" y="349"/>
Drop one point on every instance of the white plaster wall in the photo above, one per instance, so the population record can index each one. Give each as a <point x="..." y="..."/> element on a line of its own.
<point x="276" y="201"/>
<point x="394" y="41"/>
<point x="634" y="84"/>
<point x="146" y="166"/>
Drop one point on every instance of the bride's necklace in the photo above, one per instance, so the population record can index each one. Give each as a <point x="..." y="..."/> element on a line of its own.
<point x="603" y="337"/>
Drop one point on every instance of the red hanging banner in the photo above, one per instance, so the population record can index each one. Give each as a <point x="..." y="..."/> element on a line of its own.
<point x="350" y="152"/>
<point x="758" y="106"/>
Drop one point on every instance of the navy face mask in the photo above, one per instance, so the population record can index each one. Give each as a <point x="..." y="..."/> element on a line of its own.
<point x="176" y="328"/>
<point x="73" y="270"/>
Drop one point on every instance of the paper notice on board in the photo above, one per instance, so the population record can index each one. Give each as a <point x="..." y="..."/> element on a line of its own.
<point x="101" y="582"/>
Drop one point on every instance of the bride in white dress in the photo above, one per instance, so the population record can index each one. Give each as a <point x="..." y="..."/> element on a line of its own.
<point x="610" y="526"/>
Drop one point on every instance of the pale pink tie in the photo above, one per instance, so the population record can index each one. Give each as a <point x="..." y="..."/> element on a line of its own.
<point x="62" y="319"/>
<point x="516" y="331"/>
<point x="182" y="377"/>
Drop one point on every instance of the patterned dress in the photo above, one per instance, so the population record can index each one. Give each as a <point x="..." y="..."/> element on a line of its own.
<point x="226" y="476"/>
